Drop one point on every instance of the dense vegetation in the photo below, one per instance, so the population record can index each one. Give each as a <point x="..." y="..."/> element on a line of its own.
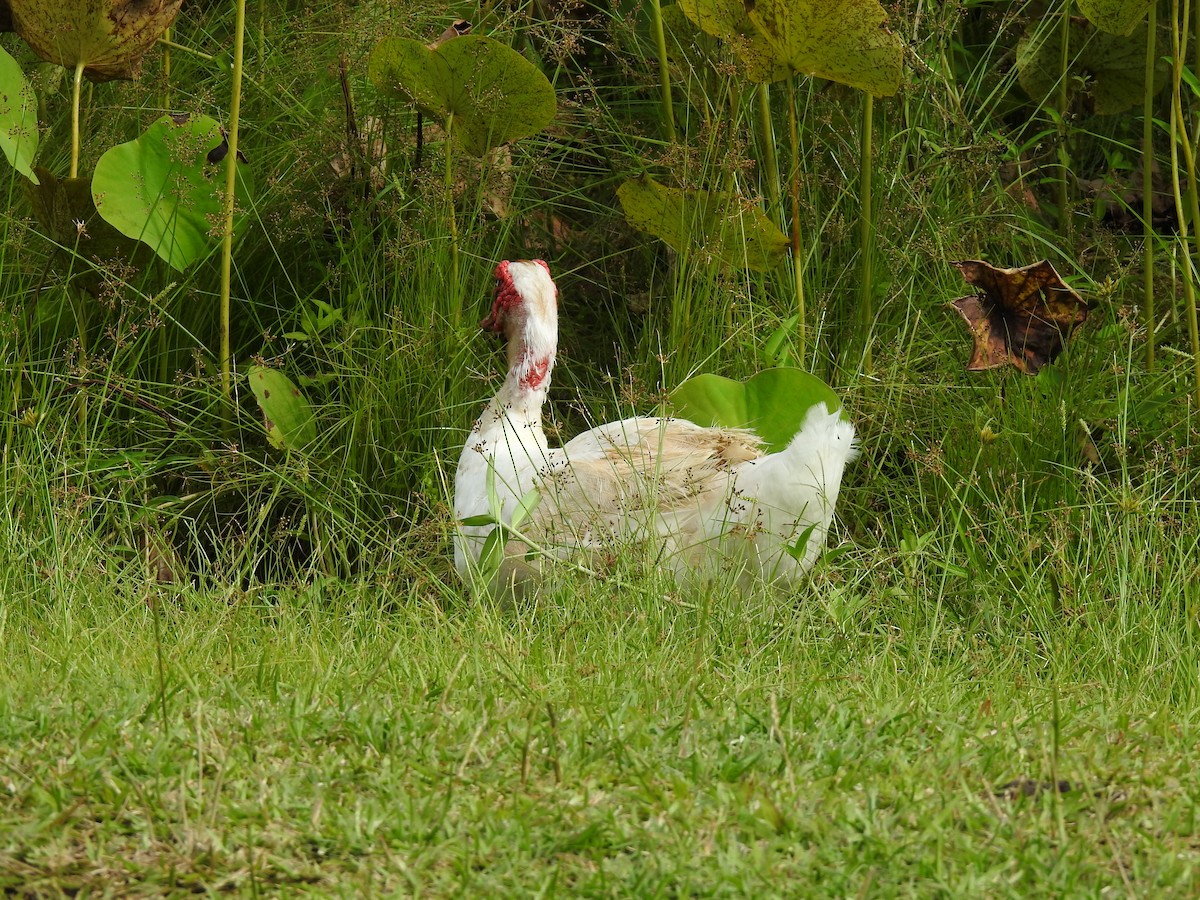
<point x="237" y="660"/>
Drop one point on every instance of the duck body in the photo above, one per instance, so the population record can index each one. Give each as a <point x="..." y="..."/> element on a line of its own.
<point x="708" y="502"/>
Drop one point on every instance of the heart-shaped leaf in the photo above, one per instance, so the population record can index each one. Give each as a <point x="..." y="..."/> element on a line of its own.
<point x="482" y="91"/>
<point x="1115" y="16"/>
<point x="723" y="226"/>
<point x="1115" y="66"/>
<point x="847" y="42"/>
<point x="772" y="403"/>
<point x="727" y="21"/>
<point x="162" y="190"/>
<point x="289" y="418"/>
<point x="18" y="117"/>
<point x="109" y="37"/>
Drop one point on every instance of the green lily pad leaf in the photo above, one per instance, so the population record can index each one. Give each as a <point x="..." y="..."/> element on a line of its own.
<point x="162" y="190"/>
<point x="109" y="37"/>
<point x="1115" y="16"/>
<point x="482" y="91"/>
<point x="1115" y="67"/>
<point x="18" y="117"/>
<point x="727" y="21"/>
<point x="772" y="403"/>
<point x="847" y="42"/>
<point x="723" y="226"/>
<point x="289" y="417"/>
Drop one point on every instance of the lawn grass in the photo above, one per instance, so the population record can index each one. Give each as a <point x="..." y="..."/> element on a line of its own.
<point x="383" y="737"/>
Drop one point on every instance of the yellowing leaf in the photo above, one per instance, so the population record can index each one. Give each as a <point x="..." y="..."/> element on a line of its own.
<point x="847" y="41"/>
<point x="109" y="37"/>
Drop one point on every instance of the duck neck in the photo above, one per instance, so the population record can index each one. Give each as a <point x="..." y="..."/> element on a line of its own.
<point x="530" y="362"/>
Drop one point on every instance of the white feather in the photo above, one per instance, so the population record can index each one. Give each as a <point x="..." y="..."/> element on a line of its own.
<point x="710" y="501"/>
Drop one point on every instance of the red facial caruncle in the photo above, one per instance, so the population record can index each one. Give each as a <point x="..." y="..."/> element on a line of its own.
<point x="507" y="298"/>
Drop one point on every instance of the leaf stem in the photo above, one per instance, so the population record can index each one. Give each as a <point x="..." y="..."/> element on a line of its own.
<point x="797" y="248"/>
<point x="664" y="72"/>
<point x="231" y="158"/>
<point x="456" y="300"/>
<point x="75" y="139"/>
<point x="770" y="160"/>
<point x="1181" y="139"/>
<point x="866" y="232"/>
<point x="1148" y="314"/>
<point x="1064" y="154"/>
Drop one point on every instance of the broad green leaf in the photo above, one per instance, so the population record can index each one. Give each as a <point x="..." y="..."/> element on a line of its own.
<point x="723" y="226"/>
<point x="772" y="403"/>
<point x="1115" y="16"/>
<point x="289" y="417"/>
<point x="161" y="189"/>
<point x="727" y="20"/>
<point x="1115" y="66"/>
<point x="482" y="91"/>
<point x="847" y="41"/>
<point x="109" y="37"/>
<point x="18" y="117"/>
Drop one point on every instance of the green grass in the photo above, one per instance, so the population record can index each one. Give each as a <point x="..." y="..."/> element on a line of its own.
<point x="315" y="705"/>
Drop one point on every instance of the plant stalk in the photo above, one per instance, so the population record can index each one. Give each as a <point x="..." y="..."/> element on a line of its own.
<point x="1148" y="314"/>
<point x="75" y="139"/>
<point x="866" y="233"/>
<point x="1064" y="155"/>
<point x="766" y="130"/>
<point x="231" y="158"/>
<point x="664" y="72"/>
<point x="797" y="247"/>
<point x="456" y="300"/>
<point x="1180" y="139"/>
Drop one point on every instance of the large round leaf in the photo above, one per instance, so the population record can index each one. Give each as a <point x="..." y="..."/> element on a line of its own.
<point x="772" y="403"/>
<point x="847" y="41"/>
<point x="1115" y="16"/>
<point x="1114" y="68"/>
<point x="162" y="190"/>
<point x="485" y="92"/>
<point x="723" y="226"/>
<point x="727" y="20"/>
<point x="109" y="37"/>
<point x="18" y="117"/>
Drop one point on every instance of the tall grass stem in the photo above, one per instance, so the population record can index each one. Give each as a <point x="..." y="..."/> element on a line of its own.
<point x="231" y="158"/>
<point x="664" y="69"/>
<point x="1188" y="234"/>
<point x="797" y="246"/>
<point x="75" y="137"/>
<point x="1148" y="315"/>
<point x="1064" y="151"/>
<point x="866" y="227"/>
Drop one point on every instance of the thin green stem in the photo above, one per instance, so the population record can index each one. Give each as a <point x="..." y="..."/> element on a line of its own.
<point x="797" y="247"/>
<point x="1064" y="152"/>
<point x="664" y="71"/>
<point x="455" y="294"/>
<point x="766" y="130"/>
<point x="866" y="227"/>
<point x="1148" y="314"/>
<point x="75" y="139"/>
<point x="235" y="109"/>
<point x="1180" y="139"/>
<point x="166" y="105"/>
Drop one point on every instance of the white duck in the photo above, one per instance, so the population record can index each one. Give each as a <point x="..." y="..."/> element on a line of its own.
<point x="711" y="500"/>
